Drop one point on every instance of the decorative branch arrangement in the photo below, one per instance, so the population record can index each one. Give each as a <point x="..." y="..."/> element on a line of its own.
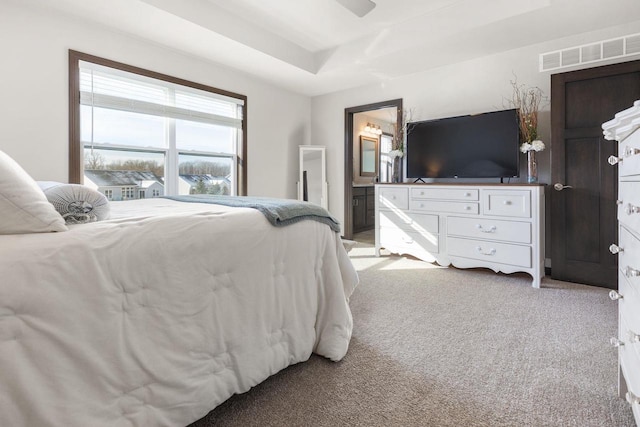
<point x="527" y="100"/>
<point x="400" y="131"/>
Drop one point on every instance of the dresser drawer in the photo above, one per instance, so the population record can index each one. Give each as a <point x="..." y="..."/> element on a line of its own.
<point x="444" y="193"/>
<point x="629" y="209"/>
<point x="629" y="304"/>
<point x="421" y="223"/>
<point x="492" y="229"/>
<point x="630" y="164"/>
<point x="390" y="197"/>
<point x="410" y="241"/>
<point x="501" y="253"/>
<point x="629" y="258"/>
<point x="629" y="358"/>
<point x="445" y="207"/>
<point x="507" y="203"/>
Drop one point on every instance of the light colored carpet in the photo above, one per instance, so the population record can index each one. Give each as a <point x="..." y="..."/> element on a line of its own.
<point x="439" y="346"/>
<point x="368" y="237"/>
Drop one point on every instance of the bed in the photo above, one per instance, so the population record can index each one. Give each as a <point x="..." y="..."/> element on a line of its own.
<point x="160" y="313"/>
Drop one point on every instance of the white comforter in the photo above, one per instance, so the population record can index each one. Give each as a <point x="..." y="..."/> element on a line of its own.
<point x="158" y="315"/>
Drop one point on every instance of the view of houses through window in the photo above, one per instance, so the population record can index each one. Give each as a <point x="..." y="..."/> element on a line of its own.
<point x="144" y="137"/>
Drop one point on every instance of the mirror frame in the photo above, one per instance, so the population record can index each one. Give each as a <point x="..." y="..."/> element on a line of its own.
<point x="324" y="200"/>
<point x="363" y="140"/>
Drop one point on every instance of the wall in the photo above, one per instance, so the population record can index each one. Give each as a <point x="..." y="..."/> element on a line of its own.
<point x="34" y="110"/>
<point x="474" y="86"/>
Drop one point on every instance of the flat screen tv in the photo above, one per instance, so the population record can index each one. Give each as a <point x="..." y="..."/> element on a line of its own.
<point x="475" y="146"/>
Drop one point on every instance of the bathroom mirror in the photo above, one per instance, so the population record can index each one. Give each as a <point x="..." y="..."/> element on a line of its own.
<point x="368" y="156"/>
<point x="312" y="185"/>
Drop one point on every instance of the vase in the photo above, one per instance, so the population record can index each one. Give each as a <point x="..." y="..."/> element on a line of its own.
<point x="396" y="169"/>
<point x="532" y="167"/>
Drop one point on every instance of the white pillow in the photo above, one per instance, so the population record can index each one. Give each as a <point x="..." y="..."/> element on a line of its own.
<point x="76" y="203"/>
<point x="23" y="206"/>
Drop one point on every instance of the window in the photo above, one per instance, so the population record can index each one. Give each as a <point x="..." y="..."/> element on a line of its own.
<point x="128" y="193"/>
<point x="146" y="133"/>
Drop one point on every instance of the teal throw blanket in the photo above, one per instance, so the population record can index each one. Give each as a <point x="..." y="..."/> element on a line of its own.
<point x="279" y="212"/>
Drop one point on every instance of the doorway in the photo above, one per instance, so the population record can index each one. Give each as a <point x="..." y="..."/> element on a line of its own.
<point x="583" y="205"/>
<point x="358" y="203"/>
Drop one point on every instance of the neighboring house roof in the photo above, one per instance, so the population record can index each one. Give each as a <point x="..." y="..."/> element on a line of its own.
<point x="148" y="183"/>
<point x="194" y="179"/>
<point x="115" y="178"/>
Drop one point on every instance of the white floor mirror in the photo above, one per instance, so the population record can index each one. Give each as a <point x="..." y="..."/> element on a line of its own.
<point x="312" y="184"/>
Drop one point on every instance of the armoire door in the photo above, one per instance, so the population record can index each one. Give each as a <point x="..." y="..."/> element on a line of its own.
<point x="583" y="208"/>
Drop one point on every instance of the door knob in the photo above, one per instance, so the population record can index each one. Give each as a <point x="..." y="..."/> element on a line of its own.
<point x="559" y="187"/>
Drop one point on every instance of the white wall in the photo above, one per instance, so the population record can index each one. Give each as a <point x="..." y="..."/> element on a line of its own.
<point x="473" y="86"/>
<point x="34" y="108"/>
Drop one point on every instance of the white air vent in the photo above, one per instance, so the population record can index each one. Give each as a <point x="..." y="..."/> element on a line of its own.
<point x="589" y="53"/>
<point x="613" y="48"/>
<point x="570" y="57"/>
<point x="550" y="61"/>
<point x="633" y="44"/>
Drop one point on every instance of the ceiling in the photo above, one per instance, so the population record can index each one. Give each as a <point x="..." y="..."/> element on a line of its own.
<point x="315" y="47"/>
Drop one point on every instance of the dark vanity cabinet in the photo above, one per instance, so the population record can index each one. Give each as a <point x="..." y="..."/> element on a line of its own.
<point x="363" y="204"/>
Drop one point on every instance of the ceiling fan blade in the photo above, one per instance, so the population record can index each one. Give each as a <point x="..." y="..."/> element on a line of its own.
<point x="359" y="7"/>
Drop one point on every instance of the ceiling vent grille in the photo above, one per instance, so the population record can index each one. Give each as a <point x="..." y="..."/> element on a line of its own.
<point x="570" y="57"/>
<point x="613" y="48"/>
<point x="589" y="53"/>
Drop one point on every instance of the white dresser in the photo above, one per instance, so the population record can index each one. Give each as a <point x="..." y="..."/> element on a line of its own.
<point x="625" y="128"/>
<point x="498" y="226"/>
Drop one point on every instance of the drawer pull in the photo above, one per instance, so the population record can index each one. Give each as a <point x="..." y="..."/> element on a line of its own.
<point x="467" y="208"/>
<point x="633" y="337"/>
<point x="492" y="229"/>
<point x="632" y="398"/>
<point x="631" y="272"/>
<point x="506" y="202"/>
<point x="630" y="209"/>
<point x="491" y="252"/>
<point x="614" y="249"/>
<point x="615" y="342"/>
<point x="467" y="194"/>
<point x="614" y="295"/>
<point x="613" y="160"/>
<point x="628" y="152"/>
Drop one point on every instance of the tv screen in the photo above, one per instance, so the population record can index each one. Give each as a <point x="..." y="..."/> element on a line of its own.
<point x="476" y="146"/>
